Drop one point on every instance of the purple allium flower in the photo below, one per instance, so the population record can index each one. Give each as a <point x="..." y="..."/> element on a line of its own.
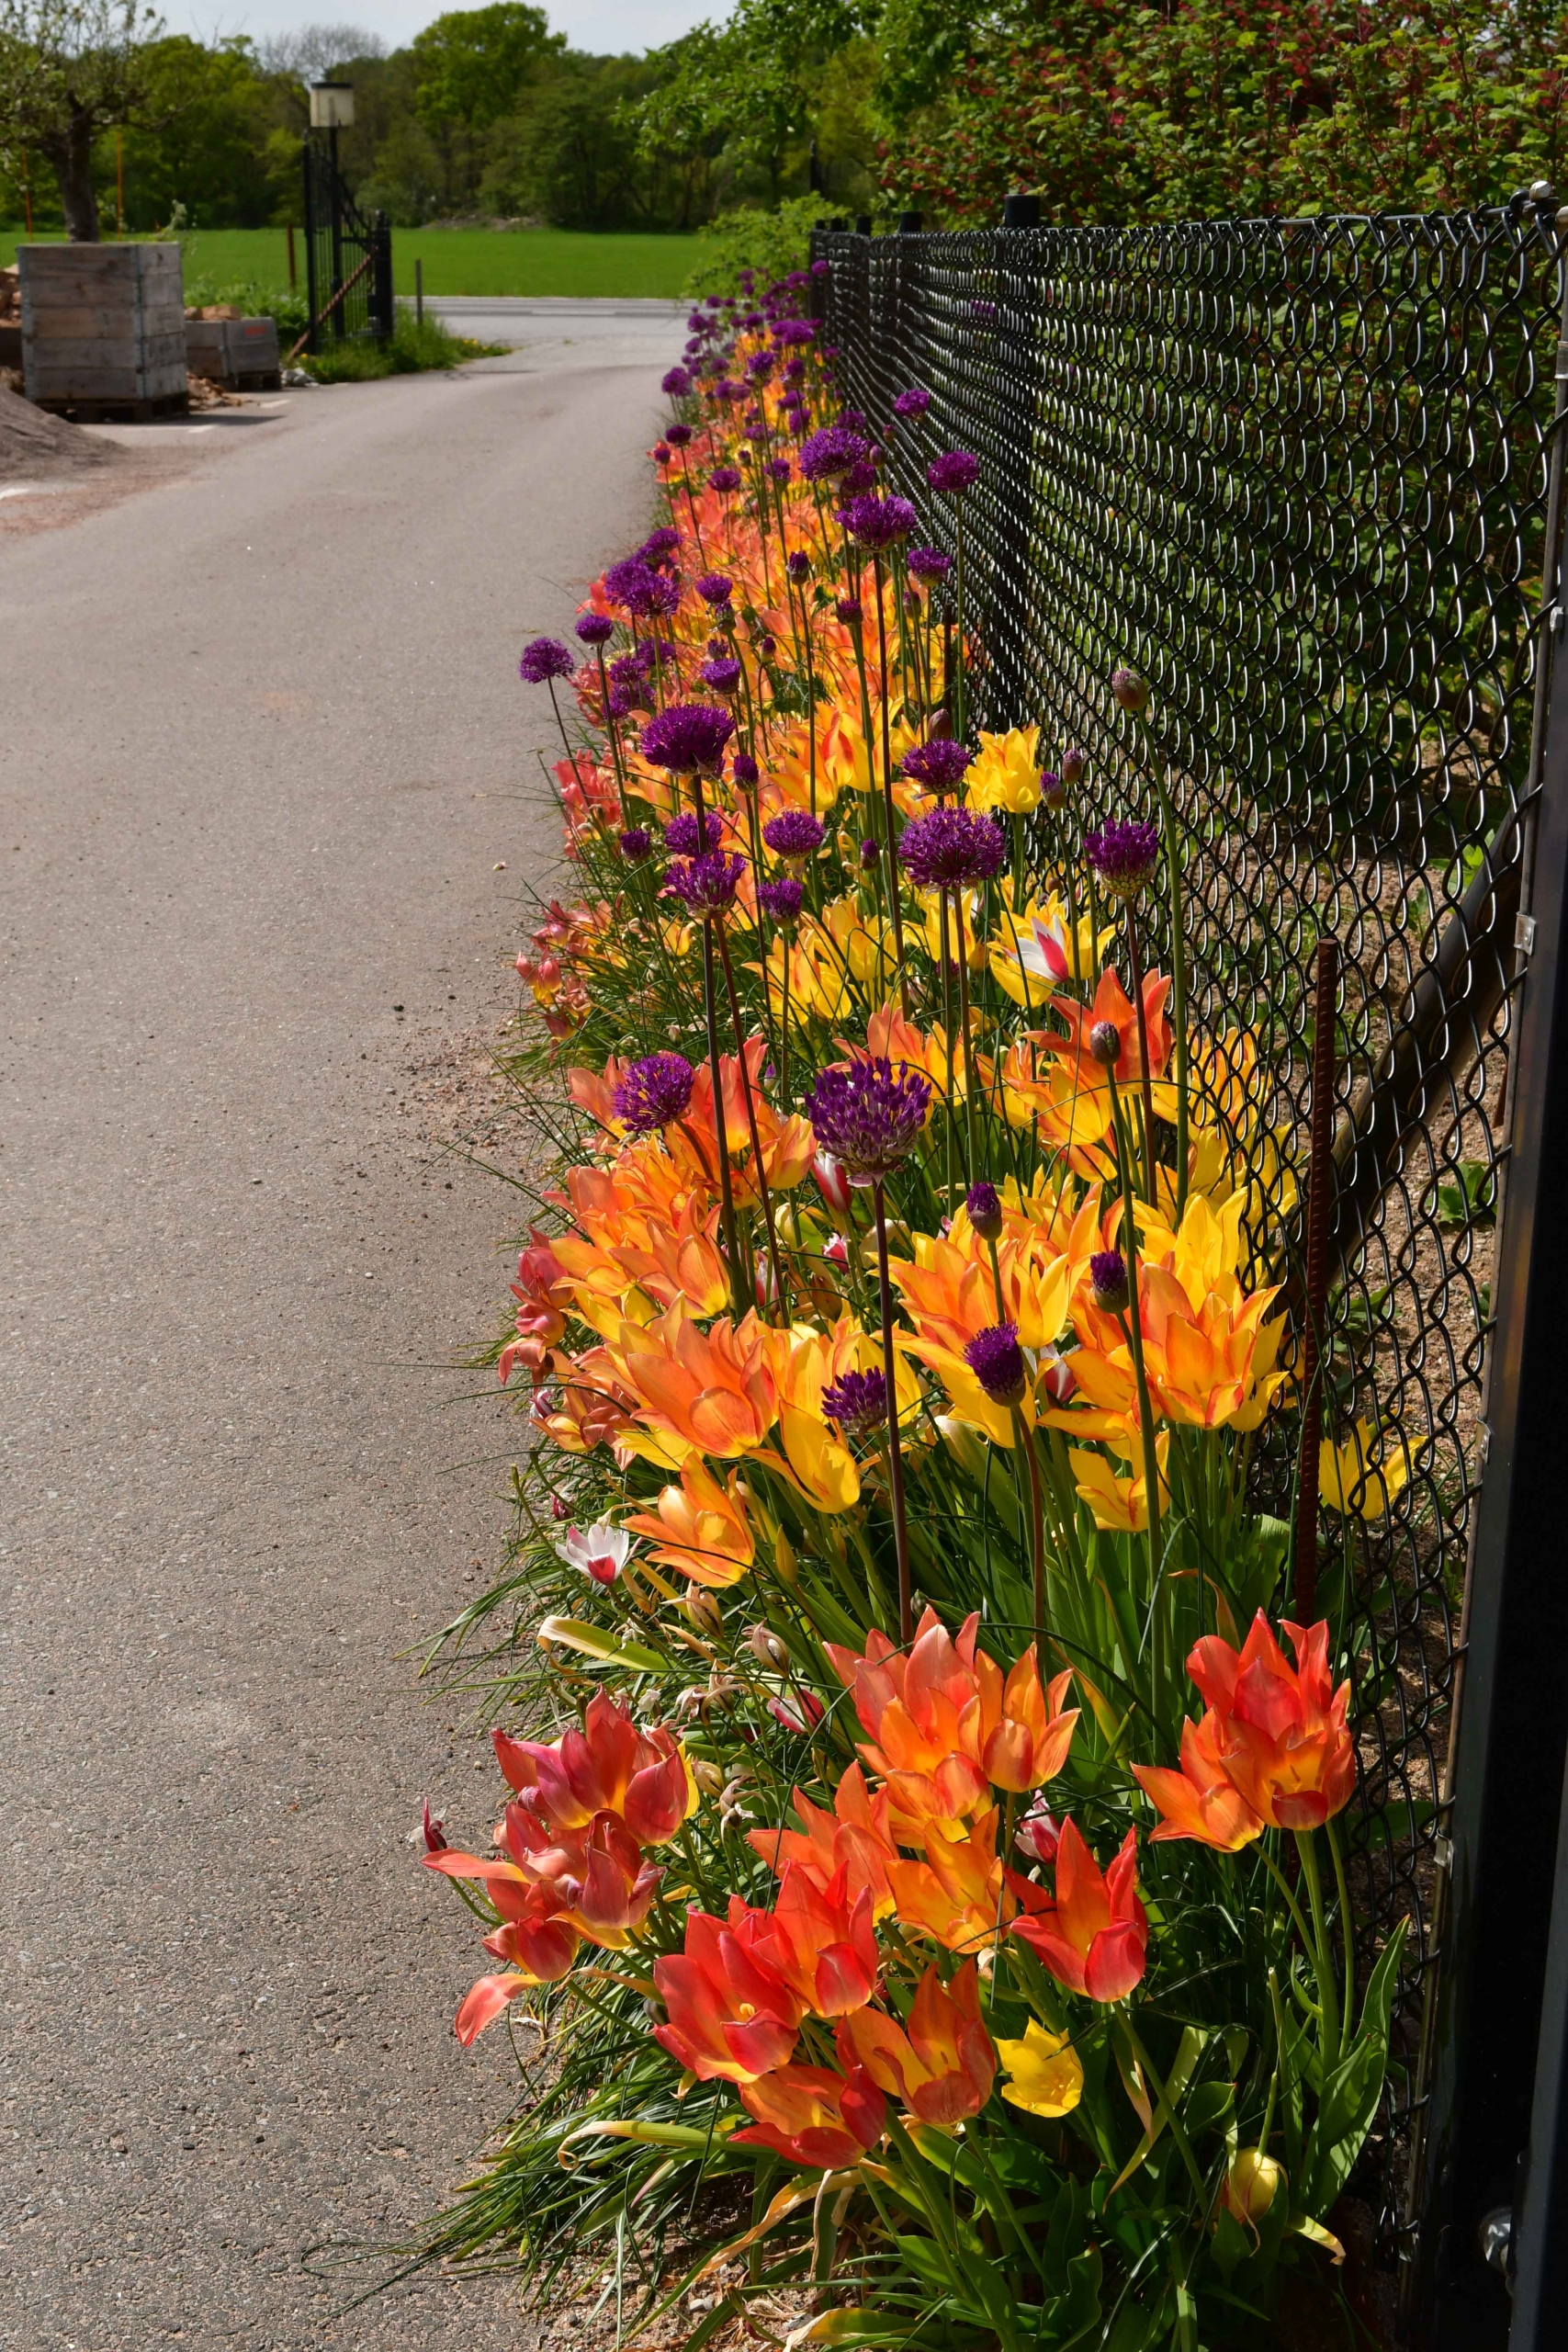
<point x="688" y="738"/>
<point x="686" y="836"/>
<point x="914" y="402"/>
<point x="984" y="1205"/>
<point x="829" y="352"/>
<point x="724" y="479"/>
<point x="716" y="589"/>
<point x="755" y="429"/>
<point x="1107" y="1281"/>
<point x="626" y="583"/>
<point x="660" y="547"/>
<point x="544" y="658"/>
<point x="660" y="597"/>
<point x="794" y="833"/>
<point x="662" y="453"/>
<point x="795" y="371"/>
<point x="856" y="418"/>
<point x="941" y="764"/>
<point x="629" y="670"/>
<point x="705" y="886"/>
<point x="1053" y="791"/>
<point x="744" y="771"/>
<point x="859" y="481"/>
<point x="622" y="703"/>
<point x="767" y="646"/>
<point x="929" y="563"/>
<point x="857" y="1401"/>
<point x="821" y="269"/>
<point x="798" y="566"/>
<point x="1105" y="1044"/>
<point x="948" y="849"/>
<point x="848" y="609"/>
<point x="1131" y="691"/>
<point x="636" y="842"/>
<point x="780" y="901"/>
<point x="653" y="1092"/>
<point x="1074" y="764"/>
<point x="833" y="451"/>
<point x="877" y="523"/>
<point x="781" y="469"/>
<point x="953" y="472"/>
<point x="870" y="855"/>
<point x="595" y="628"/>
<point x="1124" y="855"/>
<point x="793" y="333"/>
<point x="760" y="367"/>
<point x="677" y="383"/>
<point x="678" y="435"/>
<point x="867" y="1115"/>
<point x="996" y="1362"/>
<point x="722" y="676"/>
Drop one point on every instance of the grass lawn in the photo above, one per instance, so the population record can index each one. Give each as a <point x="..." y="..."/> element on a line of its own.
<point x="458" y="261"/>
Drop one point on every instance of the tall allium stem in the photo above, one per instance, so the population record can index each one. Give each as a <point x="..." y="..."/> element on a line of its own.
<point x="692" y="504"/>
<point x="1146" y="1085"/>
<point x="1023" y="1442"/>
<point x="960" y="682"/>
<point x="561" y="723"/>
<point x="963" y="1040"/>
<point x="610" y="728"/>
<point x="1134" y="1328"/>
<point x="895" y="1454"/>
<point x="1177" y="993"/>
<point x="951" y="1057"/>
<point x="857" y="631"/>
<point x="781" y="1302"/>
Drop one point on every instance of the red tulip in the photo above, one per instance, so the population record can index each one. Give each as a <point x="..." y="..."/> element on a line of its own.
<point x="608" y="1767"/>
<point x="942" y="2068"/>
<point x="813" y="2116"/>
<point x="729" y="2015"/>
<point x="1094" y="1934"/>
<point x="820" y="1941"/>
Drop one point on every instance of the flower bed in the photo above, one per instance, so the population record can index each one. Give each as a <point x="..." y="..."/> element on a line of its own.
<point x="931" y="1905"/>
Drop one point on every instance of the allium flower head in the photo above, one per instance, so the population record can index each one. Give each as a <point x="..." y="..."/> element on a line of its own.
<point x="794" y="833"/>
<point x="1108" y="1280"/>
<point x="798" y="566"/>
<point x="1131" y="691"/>
<point x="821" y="269"/>
<point x="627" y="584"/>
<point x="860" y="481"/>
<point x="848" y="610"/>
<point x="1124" y="855"/>
<point x="660" y="547"/>
<point x="996" y="1362"/>
<point x="1053" y="791"/>
<point x="715" y="588"/>
<point x="544" y="658"/>
<point x="953" y="472"/>
<point x="689" y="835"/>
<point x="877" y="523"/>
<point x="722" y="675"/>
<point x="949" y="849"/>
<point x="744" y="771"/>
<point x="1074" y="764"/>
<point x="914" y="402"/>
<point x="1105" y="1044"/>
<point x="870" y="855"/>
<point x="781" y="469"/>
<point x="706" y="885"/>
<point x="929" y="563"/>
<point x="677" y="383"/>
<point x="985" y="1210"/>
<point x="856" y="418"/>
<point x="857" y="1401"/>
<point x="595" y="628"/>
<point x="867" y="1113"/>
<point x="653" y="1092"/>
<point x="660" y="598"/>
<point x="662" y="453"/>
<point x="780" y="901"/>
<point x="678" y="435"/>
<point x="636" y="842"/>
<point x="688" y="738"/>
<point x="941" y="764"/>
<point x="835" y="450"/>
<point x="724" y="479"/>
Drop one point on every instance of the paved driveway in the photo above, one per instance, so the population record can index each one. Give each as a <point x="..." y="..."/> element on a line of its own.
<point x="263" y="746"/>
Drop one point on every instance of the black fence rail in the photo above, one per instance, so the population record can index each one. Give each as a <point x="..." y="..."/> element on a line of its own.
<point x="1305" y="476"/>
<point x="348" y="255"/>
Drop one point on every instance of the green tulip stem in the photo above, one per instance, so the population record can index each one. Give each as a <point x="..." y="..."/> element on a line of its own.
<point x="1347" y="1933"/>
<point x="894" y="1453"/>
<point x="1328" y="1987"/>
<point x="1134" y="1328"/>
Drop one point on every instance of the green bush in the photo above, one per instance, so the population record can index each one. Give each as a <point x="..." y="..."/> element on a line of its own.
<point x="772" y="243"/>
<point x="412" y="346"/>
<point x="288" y="305"/>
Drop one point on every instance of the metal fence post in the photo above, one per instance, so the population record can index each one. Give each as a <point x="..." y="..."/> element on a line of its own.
<point x="312" y="287"/>
<point x="1540" y="2244"/>
<point x="1512" y="1734"/>
<point x="383" y="301"/>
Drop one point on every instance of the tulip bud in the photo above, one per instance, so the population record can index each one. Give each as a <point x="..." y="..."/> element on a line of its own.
<point x="435" y="1832"/>
<point x="766" y="1647"/>
<point x="708" y="1777"/>
<point x="1131" y="691"/>
<point x="1252" y="2183"/>
<point x="558" y="1508"/>
<point x="705" y="1610"/>
<point x="832" y="1183"/>
<point x="785" y="1566"/>
<point x="1105" y="1044"/>
<point x="1038" y="1835"/>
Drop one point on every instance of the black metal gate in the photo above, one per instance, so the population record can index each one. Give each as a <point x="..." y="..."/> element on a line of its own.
<point x="1308" y="477"/>
<point x="348" y="255"/>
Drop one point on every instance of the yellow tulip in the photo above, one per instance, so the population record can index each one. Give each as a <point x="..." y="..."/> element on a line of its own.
<point x="1045" y="2072"/>
<point x="1121" y="1506"/>
<point x="1350" y="1480"/>
<point x="1005" y="772"/>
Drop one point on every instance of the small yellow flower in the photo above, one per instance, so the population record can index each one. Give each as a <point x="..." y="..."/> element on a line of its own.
<point x="1046" y="2070"/>
<point x="1341" y="1470"/>
<point x="1005" y="772"/>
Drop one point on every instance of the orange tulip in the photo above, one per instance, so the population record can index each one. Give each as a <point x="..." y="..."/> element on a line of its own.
<point x="820" y="1941"/>
<point x="944" y="2067"/>
<point x="533" y="1936"/>
<point x="957" y="1895"/>
<point x="1275" y="1735"/>
<point x="608" y="1767"/>
<point x="730" y="2016"/>
<point x="700" y="1528"/>
<point x="1093" y="1933"/>
<point x="814" y="2116"/>
<point x="710" y="1391"/>
<point x="944" y="1724"/>
<point x="854" y="1838"/>
<point x="1112" y="1004"/>
<point x="788" y="1143"/>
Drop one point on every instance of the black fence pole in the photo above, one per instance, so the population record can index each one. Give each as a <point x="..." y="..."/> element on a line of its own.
<point x="383" y="299"/>
<point x="1512" y="1734"/>
<point x="1540" y="2246"/>
<point x="312" y="285"/>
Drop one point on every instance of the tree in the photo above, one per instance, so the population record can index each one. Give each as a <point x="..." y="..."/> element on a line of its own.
<point x="69" y="71"/>
<point x="471" y="67"/>
<point x="309" y="52"/>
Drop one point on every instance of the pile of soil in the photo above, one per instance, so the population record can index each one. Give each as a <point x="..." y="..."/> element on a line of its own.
<point x="36" y="447"/>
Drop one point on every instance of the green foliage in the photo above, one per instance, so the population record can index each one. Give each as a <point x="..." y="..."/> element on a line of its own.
<point x="254" y="300"/>
<point x="769" y="242"/>
<point x="411" y="348"/>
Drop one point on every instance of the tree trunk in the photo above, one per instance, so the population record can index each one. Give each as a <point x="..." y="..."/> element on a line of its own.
<point x="71" y="153"/>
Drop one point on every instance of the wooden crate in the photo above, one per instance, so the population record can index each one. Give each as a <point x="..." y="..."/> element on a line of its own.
<point x="103" y="327"/>
<point x="241" y="353"/>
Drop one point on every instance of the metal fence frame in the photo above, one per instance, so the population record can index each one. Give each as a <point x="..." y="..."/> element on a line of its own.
<point x="1308" y="477"/>
<point x="348" y="253"/>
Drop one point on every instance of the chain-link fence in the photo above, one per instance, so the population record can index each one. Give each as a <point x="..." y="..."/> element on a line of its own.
<point x="1300" y="474"/>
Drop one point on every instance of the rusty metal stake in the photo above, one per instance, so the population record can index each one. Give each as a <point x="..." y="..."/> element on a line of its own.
<point x="1320" y="1182"/>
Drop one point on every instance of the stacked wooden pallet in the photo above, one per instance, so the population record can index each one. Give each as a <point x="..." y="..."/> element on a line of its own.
<point x="104" y="329"/>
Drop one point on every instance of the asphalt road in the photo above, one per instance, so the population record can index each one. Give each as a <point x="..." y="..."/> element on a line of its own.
<point x="262" y="747"/>
<point x="555" y="330"/>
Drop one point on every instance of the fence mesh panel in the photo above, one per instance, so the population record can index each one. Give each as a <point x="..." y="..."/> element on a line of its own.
<point x="1299" y="474"/>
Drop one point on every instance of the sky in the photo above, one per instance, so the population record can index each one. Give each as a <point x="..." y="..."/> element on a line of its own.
<point x="600" y="25"/>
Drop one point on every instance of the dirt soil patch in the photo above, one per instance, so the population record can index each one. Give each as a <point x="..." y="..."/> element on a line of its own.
<point x="38" y="447"/>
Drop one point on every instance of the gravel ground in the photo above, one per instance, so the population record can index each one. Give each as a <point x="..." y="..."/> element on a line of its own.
<point x="264" y="751"/>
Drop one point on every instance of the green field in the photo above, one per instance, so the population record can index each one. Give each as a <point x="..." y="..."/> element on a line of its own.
<point x="460" y="261"/>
